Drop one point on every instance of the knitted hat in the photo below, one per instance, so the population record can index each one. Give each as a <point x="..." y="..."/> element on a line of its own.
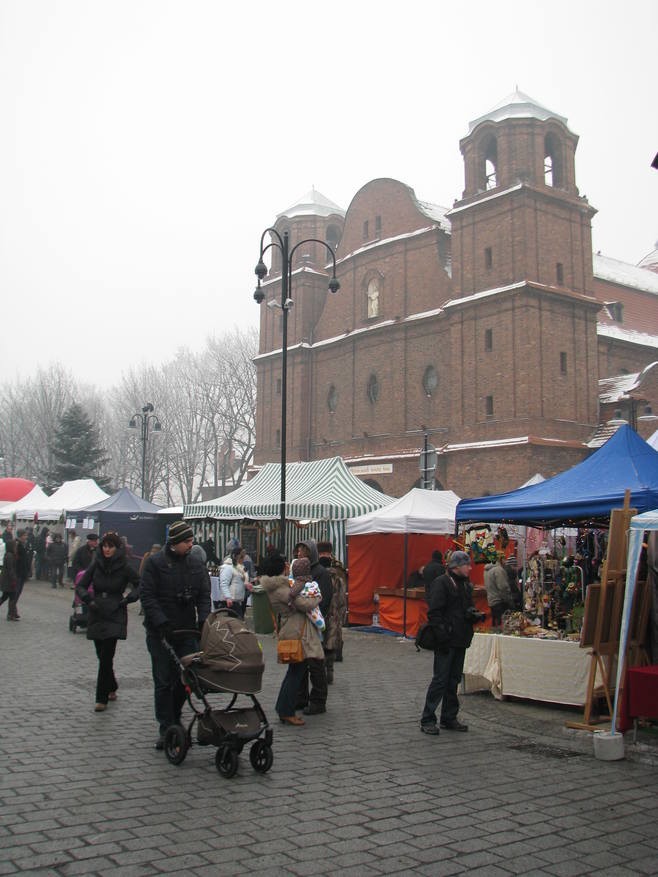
<point x="92" y="537"/>
<point x="179" y="532"/>
<point x="458" y="558"/>
<point x="325" y="547"/>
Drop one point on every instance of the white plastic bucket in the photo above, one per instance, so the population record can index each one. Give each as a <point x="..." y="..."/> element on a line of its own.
<point x="608" y="746"/>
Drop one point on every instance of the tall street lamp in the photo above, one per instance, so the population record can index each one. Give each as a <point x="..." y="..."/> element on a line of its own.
<point x="282" y="244"/>
<point x="145" y="419"/>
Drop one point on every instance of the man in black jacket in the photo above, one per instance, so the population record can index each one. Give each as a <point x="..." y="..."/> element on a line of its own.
<point x="432" y="570"/>
<point x="315" y="701"/>
<point x="84" y="554"/>
<point x="452" y="614"/>
<point x="175" y="594"/>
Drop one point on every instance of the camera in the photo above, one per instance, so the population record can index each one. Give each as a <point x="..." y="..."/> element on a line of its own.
<point x="474" y="615"/>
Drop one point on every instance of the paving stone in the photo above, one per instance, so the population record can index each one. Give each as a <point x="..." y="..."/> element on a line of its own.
<point x="357" y="791"/>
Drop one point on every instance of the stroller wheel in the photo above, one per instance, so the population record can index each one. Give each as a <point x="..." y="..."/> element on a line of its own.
<point x="261" y="756"/>
<point x="226" y="761"/>
<point x="176" y="744"/>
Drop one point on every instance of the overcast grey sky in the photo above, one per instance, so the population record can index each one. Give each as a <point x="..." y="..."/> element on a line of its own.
<point x="146" y="144"/>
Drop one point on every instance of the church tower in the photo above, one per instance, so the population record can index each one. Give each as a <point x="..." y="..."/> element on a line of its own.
<point x="523" y="315"/>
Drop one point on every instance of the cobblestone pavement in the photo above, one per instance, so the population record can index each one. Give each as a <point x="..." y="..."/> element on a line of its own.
<point x="357" y="791"/>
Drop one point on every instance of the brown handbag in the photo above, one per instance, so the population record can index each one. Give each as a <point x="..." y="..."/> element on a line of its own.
<point x="289" y="651"/>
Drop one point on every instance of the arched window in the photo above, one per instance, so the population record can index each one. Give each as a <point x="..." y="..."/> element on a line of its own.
<point x="552" y="161"/>
<point x="490" y="164"/>
<point x="332" y="399"/>
<point x="333" y="236"/>
<point x="372" y="389"/>
<point x="372" y="298"/>
<point x="430" y="381"/>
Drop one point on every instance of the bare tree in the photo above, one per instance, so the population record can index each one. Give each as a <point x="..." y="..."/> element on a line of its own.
<point x="205" y="403"/>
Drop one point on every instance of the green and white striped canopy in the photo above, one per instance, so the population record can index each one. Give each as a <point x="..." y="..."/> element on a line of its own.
<point x="318" y="490"/>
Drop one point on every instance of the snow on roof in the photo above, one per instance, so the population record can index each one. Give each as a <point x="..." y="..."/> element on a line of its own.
<point x="617" y="387"/>
<point x="313" y="203"/>
<point x="435" y="212"/>
<point x="615" y="271"/>
<point x="629" y="335"/>
<point x="383" y="241"/>
<point x="516" y="105"/>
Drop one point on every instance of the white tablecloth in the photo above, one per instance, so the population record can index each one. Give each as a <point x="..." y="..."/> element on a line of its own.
<point x="555" y="671"/>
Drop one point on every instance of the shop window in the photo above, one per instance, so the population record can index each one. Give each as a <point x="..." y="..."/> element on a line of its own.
<point x="430" y="381"/>
<point x="488" y="340"/>
<point x="488" y="258"/>
<point x="366" y="235"/>
<point x="332" y="399"/>
<point x="488" y="406"/>
<point x="372" y="389"/>
<point x="563" y="363"/>
<point x="559" y="273"/>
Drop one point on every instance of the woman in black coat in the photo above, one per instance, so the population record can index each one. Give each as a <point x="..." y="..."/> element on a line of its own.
<point x="107" y="621"/>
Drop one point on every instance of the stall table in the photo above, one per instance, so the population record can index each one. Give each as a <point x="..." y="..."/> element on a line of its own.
<point x="391" y="609"/>
<point x="555" y="671"/>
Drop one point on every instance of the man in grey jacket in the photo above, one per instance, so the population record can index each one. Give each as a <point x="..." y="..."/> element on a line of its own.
<point x="499" y="594"/>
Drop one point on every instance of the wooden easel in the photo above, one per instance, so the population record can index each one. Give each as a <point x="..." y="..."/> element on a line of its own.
<point x="602" y="619"/>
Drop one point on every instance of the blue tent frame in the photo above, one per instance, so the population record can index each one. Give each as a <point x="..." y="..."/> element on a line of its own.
<point x="586" y="492"/>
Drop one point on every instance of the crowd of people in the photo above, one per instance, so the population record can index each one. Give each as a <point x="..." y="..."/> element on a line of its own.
<point x="308" y="602"/>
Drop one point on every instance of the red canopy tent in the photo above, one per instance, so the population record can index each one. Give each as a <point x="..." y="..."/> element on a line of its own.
<point x="13" y="489"/>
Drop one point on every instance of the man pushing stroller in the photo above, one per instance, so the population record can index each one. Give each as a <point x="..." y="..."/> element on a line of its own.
<point x="175" y="594"/>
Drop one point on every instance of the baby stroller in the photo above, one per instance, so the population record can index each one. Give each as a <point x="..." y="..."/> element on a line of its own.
<point x="79" y="617"/>
<point x="230" y="662"/>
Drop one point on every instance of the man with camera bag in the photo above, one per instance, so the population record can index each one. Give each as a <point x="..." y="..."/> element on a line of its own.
<point x="452" y="615"/>
<point x="175" y="595"/>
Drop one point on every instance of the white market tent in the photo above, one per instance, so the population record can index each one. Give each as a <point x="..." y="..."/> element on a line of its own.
<point x="320" y="490"/>
<point x="638" y="525"/>
<point x="419" y="511"/>
<point x="386" y="544"/>
<point x="72" y="495"/>
<point x="32" y="503"/>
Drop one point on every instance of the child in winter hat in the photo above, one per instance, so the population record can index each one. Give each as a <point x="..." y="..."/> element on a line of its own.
<point x="302" y="583"/>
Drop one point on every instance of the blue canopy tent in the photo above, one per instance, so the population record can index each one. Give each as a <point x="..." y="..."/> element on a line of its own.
<point x="586" y="492"/>
<point x="131" y="516"/>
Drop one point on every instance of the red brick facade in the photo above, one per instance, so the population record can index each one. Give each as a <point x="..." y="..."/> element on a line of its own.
<point x="482" y="325"/>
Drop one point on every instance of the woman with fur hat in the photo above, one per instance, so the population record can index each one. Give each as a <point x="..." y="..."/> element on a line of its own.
<point x="115" y="584"/>
<point x="291" y="612"/>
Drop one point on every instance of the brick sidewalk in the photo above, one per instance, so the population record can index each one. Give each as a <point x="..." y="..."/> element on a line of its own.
<point x="357" y="791"/>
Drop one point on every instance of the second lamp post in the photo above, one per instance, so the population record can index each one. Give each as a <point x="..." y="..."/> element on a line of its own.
<point x="145" y="419"/>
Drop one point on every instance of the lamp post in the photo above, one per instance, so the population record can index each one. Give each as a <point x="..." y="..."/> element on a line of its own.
<point x="145" y="418"/>
<point x="283" y="245"/>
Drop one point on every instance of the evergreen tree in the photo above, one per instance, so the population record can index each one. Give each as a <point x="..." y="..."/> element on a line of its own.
<point x="76" y="450"/>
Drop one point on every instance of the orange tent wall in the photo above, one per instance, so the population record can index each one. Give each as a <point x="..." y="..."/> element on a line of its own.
<point x="376" y="560"/>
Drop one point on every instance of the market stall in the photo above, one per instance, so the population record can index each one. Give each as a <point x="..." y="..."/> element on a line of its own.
<point x="623" y="469"/>
<point x="128" y="514"/>
<point x="320" y="497"/>
<point x="386" y="546"/>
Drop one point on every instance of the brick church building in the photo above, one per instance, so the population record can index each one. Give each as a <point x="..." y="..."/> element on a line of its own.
<point x="489" y="330"/>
